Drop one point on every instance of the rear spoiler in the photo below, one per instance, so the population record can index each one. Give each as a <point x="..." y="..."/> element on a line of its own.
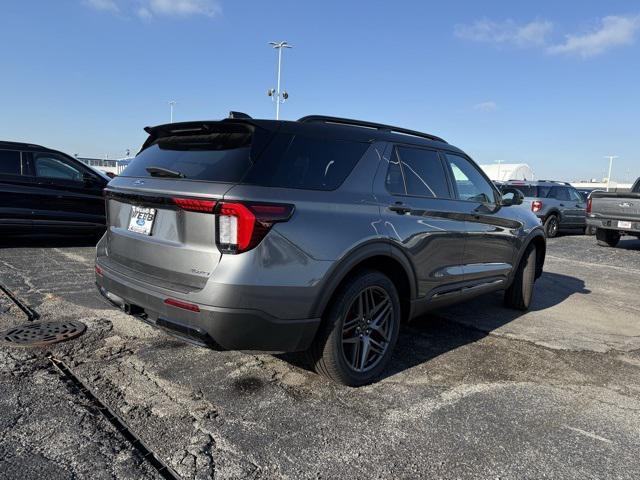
<point x="227" y="125"/>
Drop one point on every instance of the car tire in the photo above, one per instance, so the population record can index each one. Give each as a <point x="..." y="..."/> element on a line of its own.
<point x="551" y="226"/>
<point x="607" y="238"/>
<point x="347" y="330"/>
<point x="520" y="293"/>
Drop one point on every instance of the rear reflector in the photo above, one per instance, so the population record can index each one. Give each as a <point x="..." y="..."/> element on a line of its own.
<point x="195" y="205"/>
<point x="536" y="206"/>
<point x="98" y="270"/>
<point x="242" y="226"/>
<point x="184" y="305"/>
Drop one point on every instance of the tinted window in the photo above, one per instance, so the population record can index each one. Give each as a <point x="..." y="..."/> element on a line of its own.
<point x="471" y="184"/>
<point x="306" y="162"/>
<point x="560" y="193"/>
<point x="575" y="196"/>
<point x="215" y="157"/>
<point x="636" y="188"/>
<point x="527" y="190"/>
<point x="10" y="162"/>
<point x="48" y="166"/>
<point x="423" y="172"/>
<point x="395" y="180"/>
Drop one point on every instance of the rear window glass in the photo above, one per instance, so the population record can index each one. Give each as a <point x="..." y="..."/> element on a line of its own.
<point x="636" y="188"/>
<point x="215" y="157"/>
<point x="10" y="162"/>
<point x="298" y="161"/>
<point x="527" y="190"/>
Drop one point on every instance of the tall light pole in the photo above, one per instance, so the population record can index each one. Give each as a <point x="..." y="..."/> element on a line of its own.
<point x="499" y="162"/>
<point x="172" y="104"/>
<point x="277" y="95"/>
<point x="611" y="159"/>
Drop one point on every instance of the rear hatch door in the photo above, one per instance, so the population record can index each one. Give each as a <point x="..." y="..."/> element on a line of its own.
<point x="160" y="209"/>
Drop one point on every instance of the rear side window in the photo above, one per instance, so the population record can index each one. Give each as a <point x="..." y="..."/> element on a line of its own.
<point x="298" y="161"/>
<point x="422" y="173"/>
<point x="10" y="163"/>
<point x="560" y="193"/>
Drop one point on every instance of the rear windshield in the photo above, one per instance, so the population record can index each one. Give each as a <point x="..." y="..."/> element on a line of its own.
<point x="288" y="161"/>
<point x="636" y="187"/>
<point x="527" y="190"/>
<point x="216" y="157"/>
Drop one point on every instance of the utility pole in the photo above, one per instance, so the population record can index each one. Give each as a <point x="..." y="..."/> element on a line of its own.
<point x="499" y="162"/>
<point x="276" y="94"/>
<point x="611" y="159"/>
<point x="172" y="104"/>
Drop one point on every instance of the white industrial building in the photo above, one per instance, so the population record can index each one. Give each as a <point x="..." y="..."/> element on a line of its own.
<point x="501" y="172"/>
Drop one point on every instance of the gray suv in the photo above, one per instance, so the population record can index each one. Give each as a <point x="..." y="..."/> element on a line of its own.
<point x="320" y="235"/>
<point x="557" y="204"/>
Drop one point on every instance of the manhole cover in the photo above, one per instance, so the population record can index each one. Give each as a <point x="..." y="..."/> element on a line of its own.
<point x="42" y="333"/>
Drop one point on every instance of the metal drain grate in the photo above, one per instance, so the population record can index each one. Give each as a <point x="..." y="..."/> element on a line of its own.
<point x="42" y="333"/>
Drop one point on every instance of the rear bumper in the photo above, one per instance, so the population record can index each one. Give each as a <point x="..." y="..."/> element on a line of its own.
<point x="215" y="327"/>
<point x="610" y="223"/>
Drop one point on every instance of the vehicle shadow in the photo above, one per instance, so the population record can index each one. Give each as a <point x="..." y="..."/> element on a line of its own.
<point x="47" y="241"/>
<point x="444" y="330"/>
<point x="629" y="243"/>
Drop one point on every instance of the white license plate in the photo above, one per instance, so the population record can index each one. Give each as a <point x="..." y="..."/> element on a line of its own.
<point x="141" y="220"/>
<point x="624" y="224"/>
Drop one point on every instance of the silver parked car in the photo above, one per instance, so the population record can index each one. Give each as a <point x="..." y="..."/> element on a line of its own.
<point x="320" y="235"/>
<point x="557" y="204"/>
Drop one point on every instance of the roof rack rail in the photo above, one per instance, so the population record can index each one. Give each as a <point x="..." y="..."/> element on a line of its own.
<point x="365" y="124"/>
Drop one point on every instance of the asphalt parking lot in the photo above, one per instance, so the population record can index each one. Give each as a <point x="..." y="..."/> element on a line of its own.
<point x="475" y="391"/>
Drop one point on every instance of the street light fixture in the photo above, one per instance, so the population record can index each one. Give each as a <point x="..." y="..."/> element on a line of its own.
<point x="276" y="94"/>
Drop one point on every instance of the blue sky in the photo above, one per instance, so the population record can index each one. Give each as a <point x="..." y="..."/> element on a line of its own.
<point x="554" y="84"/>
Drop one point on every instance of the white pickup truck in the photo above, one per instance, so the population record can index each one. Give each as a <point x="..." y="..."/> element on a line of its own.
<point x="613" y="215"/>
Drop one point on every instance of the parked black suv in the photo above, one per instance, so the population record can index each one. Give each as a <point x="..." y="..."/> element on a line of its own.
<point x="319" y="235"/>
<point x="46" y="191"/>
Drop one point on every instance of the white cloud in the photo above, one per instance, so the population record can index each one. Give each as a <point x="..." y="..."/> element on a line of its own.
<point x="614" y="31"/>
<point x="148" y="9"/>
<point x="486" y="106"/>
<point x="104" y="5"/>
<point x="184" y="7"/>
<point x="509" y="32"/>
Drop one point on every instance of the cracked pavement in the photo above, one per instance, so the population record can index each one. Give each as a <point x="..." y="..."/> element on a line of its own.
<point x="474" y="391"/>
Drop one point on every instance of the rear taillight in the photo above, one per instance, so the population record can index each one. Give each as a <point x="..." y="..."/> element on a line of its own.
<point x="536" y="206"/>
<point x="242" y="226"/>
<point x="98" y="270"/>
<point x="195" y="204"/>
<point x="588" y="205"/>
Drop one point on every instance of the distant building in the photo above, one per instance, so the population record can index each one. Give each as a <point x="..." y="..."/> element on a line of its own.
<point x="501" y="172"/>
<point x="105" y="165"/>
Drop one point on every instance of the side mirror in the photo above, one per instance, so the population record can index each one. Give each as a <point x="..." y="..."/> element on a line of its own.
<point x="511" y="196"/>
<point x="89" y="179"/>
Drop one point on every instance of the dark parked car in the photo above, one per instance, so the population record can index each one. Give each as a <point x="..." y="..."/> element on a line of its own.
<point x="320" y="235"/>
<point x="613" y="215"/>
<point x="46" y="191"/>
<point x="557" y="204"/>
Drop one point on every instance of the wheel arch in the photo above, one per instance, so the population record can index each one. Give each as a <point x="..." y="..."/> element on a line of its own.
<point x="537" y="239"/>
<point x="383" y="256"/>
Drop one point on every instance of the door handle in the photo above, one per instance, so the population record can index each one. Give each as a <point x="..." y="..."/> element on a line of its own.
<point x="562" y="204"/>
<point x="400" y="208"/>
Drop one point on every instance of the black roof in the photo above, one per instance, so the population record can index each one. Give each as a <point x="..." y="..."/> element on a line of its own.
<point x="345" y="128"/>
<point x="21" y="146"/>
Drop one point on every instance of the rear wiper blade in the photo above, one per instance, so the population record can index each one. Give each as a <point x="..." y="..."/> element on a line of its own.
<point x="163" y="172"/>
